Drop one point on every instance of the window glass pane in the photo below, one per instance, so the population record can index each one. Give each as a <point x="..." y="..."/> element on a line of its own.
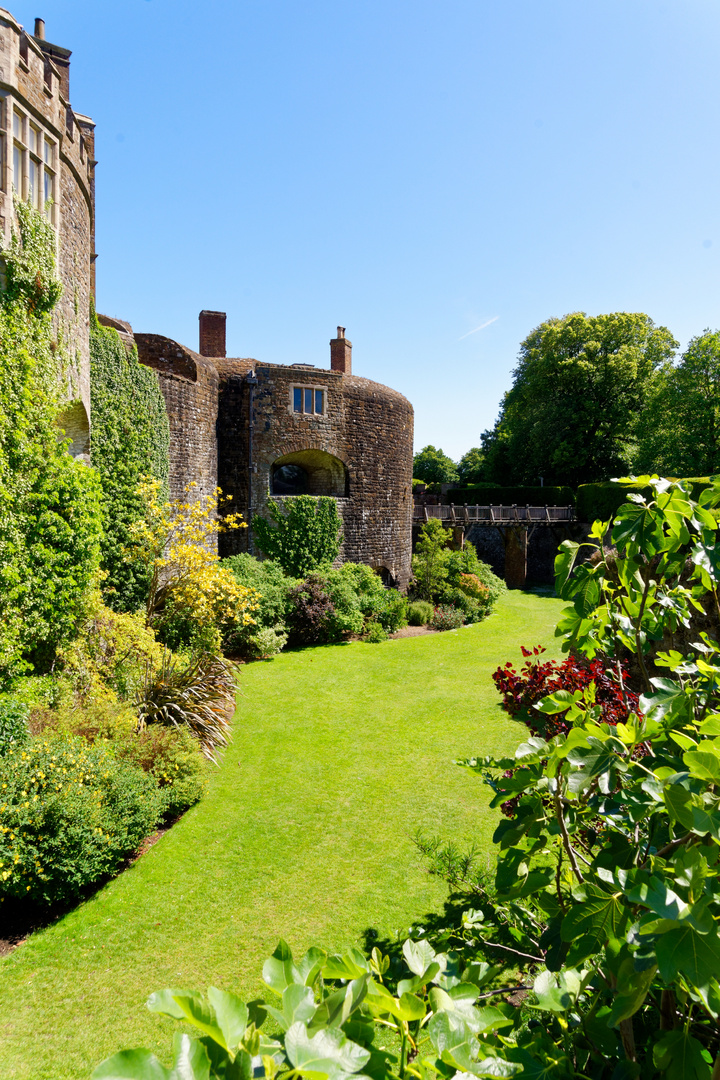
<point x="297" y="399"/>
<point x="48" y="153"/>
<point x="308" y="400"/>
<point x="318" y="401"/>
<point x="33" y="139"/>
<point x="16" y="125"/>
<point x="17" y="169"/>
<point x="48" y="193"/>
<point x="33" y="183"/>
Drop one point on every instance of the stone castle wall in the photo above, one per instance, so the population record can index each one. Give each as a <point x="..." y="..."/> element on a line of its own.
<point x="34" y="86"/>
<point x="189" y="384"/>
<point x="359" y="450"/>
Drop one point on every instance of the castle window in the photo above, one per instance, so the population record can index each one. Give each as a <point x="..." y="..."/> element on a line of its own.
<point x="33" y="185"/>
<point x="308" y="400"/>
<point x="17" y="169"/>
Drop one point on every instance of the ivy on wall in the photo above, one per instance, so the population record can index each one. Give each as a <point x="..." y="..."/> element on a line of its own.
<point x="50" y="521"/>
<point x="130" y="440"/>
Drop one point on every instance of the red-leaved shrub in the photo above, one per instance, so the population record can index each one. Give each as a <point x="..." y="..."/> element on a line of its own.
<point x="536" y="679"/>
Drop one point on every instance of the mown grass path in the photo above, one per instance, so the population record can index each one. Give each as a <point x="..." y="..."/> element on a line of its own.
<point x="339" y="756"/>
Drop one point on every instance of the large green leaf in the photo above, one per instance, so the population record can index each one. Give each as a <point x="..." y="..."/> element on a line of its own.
<point x="298" y="1003"/>
<point x="279" y="970"/>
<point x="638" y="526"/>
<point x="681" y="1057"/>
<point x="684" y="951"/>
<point x="351" y="965"/>
<point x="558" y="992"/>
<point x="419" y="955"/>
<point x="590" y="924"/>
<point x="201" y="1015"/>
<point x="328" y="1051"/>
<point x="454" y="1041"/>
<point x="632" y="989"/>
<point x="131" y="1065"/>
<point x="491" y="1066"/>
<point x="340" y="1004"/>
<point x="231" y="1014"/>
<point x="163" y="1002"/>
<point x="564" y="563"/>
<point x="703" y="763"/>
<point x="311" y="965"/>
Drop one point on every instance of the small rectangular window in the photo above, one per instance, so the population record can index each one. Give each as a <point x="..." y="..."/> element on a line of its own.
<point x="297" y="399"/>
<point x="17" y="125"/>
<point x="318" y="401"/>
<point x="49" y="192"/>
<point x="17" y="170"/>
<point x="48" y="153"/>
<point x="308" y="400"/>
<point x="33" y="139"/>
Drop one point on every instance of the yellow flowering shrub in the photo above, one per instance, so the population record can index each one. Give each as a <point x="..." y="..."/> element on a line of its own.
<point x="70" y="814"/>
<point x="192" y="599"/>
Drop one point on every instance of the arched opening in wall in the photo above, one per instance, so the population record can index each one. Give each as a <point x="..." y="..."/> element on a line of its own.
<point x="385" y="576"/>
<point x="309" y="472"/>
<point x="73" y="420"/>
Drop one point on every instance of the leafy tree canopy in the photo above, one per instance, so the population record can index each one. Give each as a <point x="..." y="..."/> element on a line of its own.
<point x="679" y="431"/>
<point x="434" y="467"/>
<point x="471" y="466"/>
<point x="579" y="385"/>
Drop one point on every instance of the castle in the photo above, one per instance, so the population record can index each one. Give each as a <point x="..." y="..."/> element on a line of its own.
<point x="255" y="430"/>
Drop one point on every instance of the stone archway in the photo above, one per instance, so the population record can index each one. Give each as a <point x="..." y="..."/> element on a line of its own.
<point x="73" y="420"/>
<point x="309" y="472"/>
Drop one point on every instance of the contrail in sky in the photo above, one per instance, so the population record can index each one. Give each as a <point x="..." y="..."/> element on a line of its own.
<point x="481" y="327"/>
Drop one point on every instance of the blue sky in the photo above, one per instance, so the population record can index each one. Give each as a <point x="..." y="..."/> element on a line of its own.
<point x="411" y="170"/>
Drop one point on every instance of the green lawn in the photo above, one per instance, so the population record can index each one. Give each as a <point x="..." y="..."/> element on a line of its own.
<point x="339" y="755"/>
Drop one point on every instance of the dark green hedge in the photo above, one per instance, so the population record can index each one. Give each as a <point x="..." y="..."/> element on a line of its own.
<point x="486" y="494"/>
<point x="130" y="439"/>
<point x="601" y="502"/>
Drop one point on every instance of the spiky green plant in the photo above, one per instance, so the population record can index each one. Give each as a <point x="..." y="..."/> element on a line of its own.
<point x="198" y="695"/>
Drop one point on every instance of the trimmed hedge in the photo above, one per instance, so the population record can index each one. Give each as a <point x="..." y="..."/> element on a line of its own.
<point x="489" y="494"/>
<point x="601" y="501"/>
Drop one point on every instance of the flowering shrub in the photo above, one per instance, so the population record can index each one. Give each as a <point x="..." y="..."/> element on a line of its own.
<point x="69" y="815"/>
<point x="471" y="585"/>
<point x="321" y="610"/>
<point x="446" y="617"/>
<point x="173" y="757"/>
<point x="536" y="679"/>
<point x="192" y="598"/>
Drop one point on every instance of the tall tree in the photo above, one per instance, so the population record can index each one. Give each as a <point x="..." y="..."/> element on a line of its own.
<point x="471" y="466"/>
<point x="679" y="431"/>
<point x="579" y="386"/>
<point x="434" y="467"/>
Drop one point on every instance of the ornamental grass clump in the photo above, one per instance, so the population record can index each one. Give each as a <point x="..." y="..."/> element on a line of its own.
<point x="70" y="814"/>
<point x="198" y="694"/>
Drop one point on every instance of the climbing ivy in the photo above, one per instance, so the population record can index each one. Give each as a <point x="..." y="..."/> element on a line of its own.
<point x="49" y="504"/>
<point x="130" y="440"/>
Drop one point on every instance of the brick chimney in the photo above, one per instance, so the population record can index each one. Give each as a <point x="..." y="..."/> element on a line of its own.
<point x="59" y="56"/>
<point x="212" y="333"/>
<point x="341" y="353"/>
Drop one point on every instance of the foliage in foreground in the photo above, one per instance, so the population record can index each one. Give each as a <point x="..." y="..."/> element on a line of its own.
<point x="325" y="1016"/>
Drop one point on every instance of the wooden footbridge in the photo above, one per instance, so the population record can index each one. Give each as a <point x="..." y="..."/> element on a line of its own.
<point x="516" y="524"/>
<point x="493" y="515"/>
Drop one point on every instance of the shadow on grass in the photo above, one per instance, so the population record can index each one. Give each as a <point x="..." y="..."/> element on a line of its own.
<point x="430" y="925"/>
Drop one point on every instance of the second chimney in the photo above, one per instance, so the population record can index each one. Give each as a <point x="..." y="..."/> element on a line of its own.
<point x="341" y="353"/>
<point x="212" y="333"/>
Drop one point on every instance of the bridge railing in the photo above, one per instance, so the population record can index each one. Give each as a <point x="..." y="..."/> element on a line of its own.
<point x="493" y="515"/>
